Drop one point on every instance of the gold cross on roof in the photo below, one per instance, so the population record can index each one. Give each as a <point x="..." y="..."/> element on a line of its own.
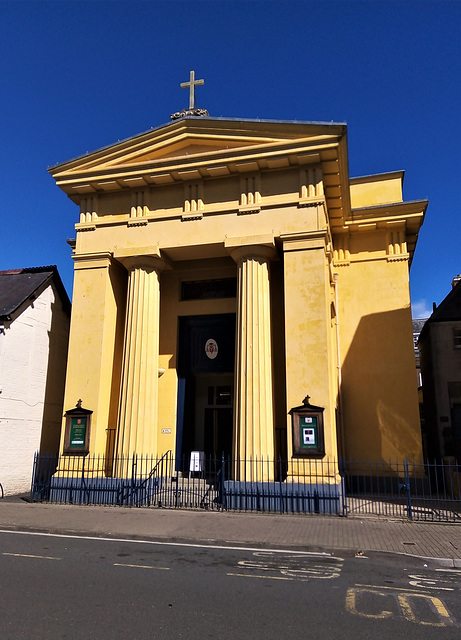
<point x="191" y="84"/>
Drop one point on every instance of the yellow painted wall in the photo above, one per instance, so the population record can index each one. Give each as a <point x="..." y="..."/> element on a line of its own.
<point x="378" y="393"/>
<point x="309" y="356"/>
<point x="93" y="369"/>
<point x="374" y="190"/>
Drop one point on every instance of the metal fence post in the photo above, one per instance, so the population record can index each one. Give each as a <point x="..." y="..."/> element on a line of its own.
<point x="222" y="498"/>
<point x="83" y="482"/>
<point x="34" y="478"/>
<point x="406" y="475"/>
<point x="342" y="474"/>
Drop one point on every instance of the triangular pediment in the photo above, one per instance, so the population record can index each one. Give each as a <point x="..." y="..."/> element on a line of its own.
<point x="190" y="139"/>
<point x="188" y="146"/>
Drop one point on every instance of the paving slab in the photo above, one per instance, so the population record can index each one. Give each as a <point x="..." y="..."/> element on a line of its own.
<point x="302" y="532"/>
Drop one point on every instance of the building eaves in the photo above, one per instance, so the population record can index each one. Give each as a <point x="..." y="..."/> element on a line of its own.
<point x="392" y="205"/>
<point x="372" y="176"/>
<point x="19" y="285"/>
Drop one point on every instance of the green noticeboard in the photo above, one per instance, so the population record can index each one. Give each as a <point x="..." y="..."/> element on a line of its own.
<point x="78" y="427"/>
<point x="308" y="432"/>
<point x="307" y="425"/>
<point x="77" y="433"/>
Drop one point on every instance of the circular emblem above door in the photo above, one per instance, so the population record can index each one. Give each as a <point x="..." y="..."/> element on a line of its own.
<point x="211" y="348"/>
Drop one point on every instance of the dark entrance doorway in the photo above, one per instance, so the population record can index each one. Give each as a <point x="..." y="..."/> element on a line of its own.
<point x="206" y="353"/>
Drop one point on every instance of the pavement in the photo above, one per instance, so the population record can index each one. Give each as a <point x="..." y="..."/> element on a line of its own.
<point x="356" y="535"/>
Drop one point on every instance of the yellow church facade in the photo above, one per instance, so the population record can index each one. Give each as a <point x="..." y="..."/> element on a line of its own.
<point x="225" y="269"/>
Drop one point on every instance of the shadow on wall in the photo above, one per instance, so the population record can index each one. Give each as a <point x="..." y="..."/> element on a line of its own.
<point x="119" y="282"/>
<point x="378" y="392"/>
<point x="58" y="336"/>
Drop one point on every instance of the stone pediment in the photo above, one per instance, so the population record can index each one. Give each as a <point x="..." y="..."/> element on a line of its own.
<point x="183" y="148"/>
<point x="191" y="139"/>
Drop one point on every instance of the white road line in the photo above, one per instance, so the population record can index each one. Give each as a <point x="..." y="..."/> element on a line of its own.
<point x="27" y="555"/>
<point x="316" y="554"/>
<point x="424" y="582"/>
<point x="375" y="586"/>
<point x="140" y="566"/>
<point x="455" y="571"/>
<point x="248" y="575"/>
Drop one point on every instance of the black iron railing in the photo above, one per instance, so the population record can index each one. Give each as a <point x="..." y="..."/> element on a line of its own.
<point x="417" y="490"/>
<point x="428" y="491"/>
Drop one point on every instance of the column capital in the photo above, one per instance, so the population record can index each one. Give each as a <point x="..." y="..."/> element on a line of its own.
<point x="317" y="239"/>
<point x="99" y="259"/>
<point x="256" y="247"/>
<point x="149" y="259"/>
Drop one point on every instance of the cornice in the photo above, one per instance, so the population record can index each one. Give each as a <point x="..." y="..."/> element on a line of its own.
<point x="197" y="166"/>
<point x="372" y="177"/>
<point x="411" y="214"/>
<point x="391" y="208"/>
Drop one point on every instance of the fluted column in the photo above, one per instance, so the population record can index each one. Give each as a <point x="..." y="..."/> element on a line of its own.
<point x="253" y="420"/>
<point x="138" y="410"/>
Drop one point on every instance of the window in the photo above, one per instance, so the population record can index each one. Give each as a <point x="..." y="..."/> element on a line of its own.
<point x="208" y="289"/>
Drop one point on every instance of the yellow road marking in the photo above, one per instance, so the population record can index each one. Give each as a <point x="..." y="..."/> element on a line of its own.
<point x="351" y="606"/>
<point x="438" y="605"/>
<point x="404" y="599"/>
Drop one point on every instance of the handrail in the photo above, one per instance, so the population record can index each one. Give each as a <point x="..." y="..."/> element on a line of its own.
<point x="154" y="469"/>
<point x="136" y="488"/>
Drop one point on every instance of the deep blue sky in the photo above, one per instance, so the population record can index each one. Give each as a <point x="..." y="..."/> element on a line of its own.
<point x="76" y="76"/>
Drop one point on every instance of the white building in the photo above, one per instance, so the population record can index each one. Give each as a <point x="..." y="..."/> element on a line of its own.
<point x="34" y="331"/>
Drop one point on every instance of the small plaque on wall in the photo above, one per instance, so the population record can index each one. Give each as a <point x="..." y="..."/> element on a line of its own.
<point x="77" y="434"/>
<point x="307" y="428"/>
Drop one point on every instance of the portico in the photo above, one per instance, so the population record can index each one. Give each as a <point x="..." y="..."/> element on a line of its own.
<point x="224" y="269"/>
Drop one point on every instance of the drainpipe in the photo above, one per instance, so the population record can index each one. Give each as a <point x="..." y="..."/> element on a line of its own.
<point x="342" y="447"/>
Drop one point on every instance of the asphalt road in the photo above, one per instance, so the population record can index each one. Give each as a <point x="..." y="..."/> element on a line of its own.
<point x="58" y="587"/>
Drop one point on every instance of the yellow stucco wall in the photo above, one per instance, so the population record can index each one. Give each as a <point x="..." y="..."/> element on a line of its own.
<point x="373" y="190"/>
<point x="379" y="401"/>
<point x="93" y="369"/>
<point x="308" y="331"/>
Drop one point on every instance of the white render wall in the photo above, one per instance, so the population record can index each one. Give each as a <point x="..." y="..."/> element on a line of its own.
<point x="24" y="350"/>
